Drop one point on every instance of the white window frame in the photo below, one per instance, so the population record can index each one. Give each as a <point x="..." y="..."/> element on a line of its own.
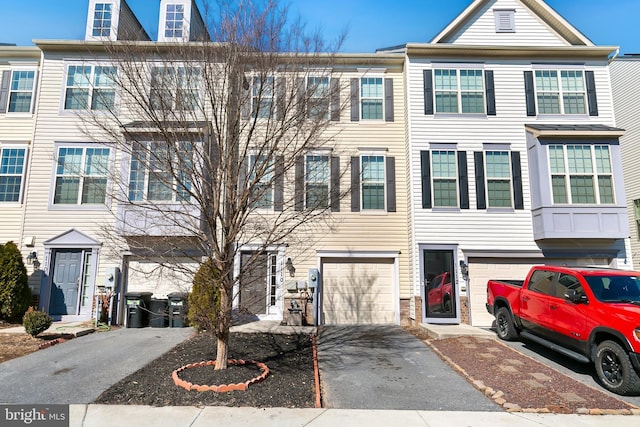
<point x="259" y="94"/>
<point x="164" y="21"/>
<point x="458" y="89"/>
<point x="454" y="177"/>
<point x="562" y="92"/>
<point x="91" y="88"/>
<point x="82" y="176"/>
<point x="378" y="181"/>
<point x="595" y="174"/>
<point x="98" y="22"/>
<point x="267" y="179"/>
<point x="318" y="97"/>
<point x="508" y="180"/>
<point x="22" y="176"/>
<point x="380" y="98"/>
<point x="176" y="85"/>
<point x="115" y="18"/>
<point x="308" y="181"/>
<point x="33" y="70"/>
<point x="144" y="172"/>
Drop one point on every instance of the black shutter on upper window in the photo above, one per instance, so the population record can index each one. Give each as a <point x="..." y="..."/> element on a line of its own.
<point x="4" y="90"/>
<point x="530" y="95"/>
<point x="425" y="177"/>
<point x="335" y="184"/>
<point x="516" y="172"/>
<point x="427" y="77"/>
<point x="281" y="102"/>
<point x="301" y="97"/>
<point x="299" y="184"/>
<point x="391" y="184"/>
<point x="278" y="196"/>
<point x="463" y="180"/>
<point x="355" y="100"/>
<point x="490" y="93"/>
<point x="355" y="184"/>
<point x="388" y="100"/>
<point x="245" y="99"/>
<point x="334" y="101"/>
<point x="481" y="199"/>
<point x="591" y="93"/>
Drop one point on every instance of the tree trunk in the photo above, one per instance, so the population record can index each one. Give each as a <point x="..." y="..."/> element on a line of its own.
<point x="222" y="330"/>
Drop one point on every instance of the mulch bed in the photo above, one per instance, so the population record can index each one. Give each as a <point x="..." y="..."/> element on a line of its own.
<point x="524" y="381"/>
<point x="290" y="383"/>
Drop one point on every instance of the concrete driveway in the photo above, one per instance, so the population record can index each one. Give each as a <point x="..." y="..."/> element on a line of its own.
<point x="384" y="367"/>
<point x="79" y="370"/>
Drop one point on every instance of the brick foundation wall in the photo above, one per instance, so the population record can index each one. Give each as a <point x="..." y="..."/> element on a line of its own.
<point x="464" y="310"/>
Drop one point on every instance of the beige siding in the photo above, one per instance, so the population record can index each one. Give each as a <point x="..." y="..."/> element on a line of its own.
<point x="530" y="31"/>
<point x="624" y="76"/>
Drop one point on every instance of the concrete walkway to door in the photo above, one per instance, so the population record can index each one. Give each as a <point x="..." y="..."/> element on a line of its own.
<point x="385" y="367"/>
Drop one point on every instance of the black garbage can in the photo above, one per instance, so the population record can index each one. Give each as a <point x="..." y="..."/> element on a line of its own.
<point x="158" y="315"/>
<point x="178" y="309"/>
<point x="138" y="305"/>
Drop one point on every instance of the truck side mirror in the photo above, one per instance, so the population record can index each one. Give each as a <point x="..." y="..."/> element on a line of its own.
<point x="575" y="297"/>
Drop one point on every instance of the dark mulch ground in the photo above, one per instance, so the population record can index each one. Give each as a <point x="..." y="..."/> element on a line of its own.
<point x="290" y="383"/>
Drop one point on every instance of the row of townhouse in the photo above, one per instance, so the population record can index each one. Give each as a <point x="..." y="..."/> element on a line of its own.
<point x="489" y="149"/>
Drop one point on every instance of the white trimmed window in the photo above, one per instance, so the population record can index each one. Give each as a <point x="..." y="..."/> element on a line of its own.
<point x="175" y="88"/>
<point x="498" y="179"/>
<point x="81" y="176"/>
<point x="560" y="92"/>
<point x="90" y="87"/>
<point x="459" y="91"/>
<point x="262" y="97"/>
<point x="21" y="91"/>
<point x="174" y="21"/>
<point x="317" y="181"/>
<point x="12" y="169"/>
<point x="581" y="174"/>
<point x="444" y="177"/>
<point x="150" y="176"/>
<point x="318" y="95"/>
<point x="371" y="98"/>
<point x="102" y="20"/>
<point x="373" y="182"/>
<point x="261" y="179"/>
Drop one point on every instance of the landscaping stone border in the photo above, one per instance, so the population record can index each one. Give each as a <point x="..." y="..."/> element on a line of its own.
<point x="222" y="388"/>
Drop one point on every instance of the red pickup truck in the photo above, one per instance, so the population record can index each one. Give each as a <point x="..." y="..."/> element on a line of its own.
<point x="589" y="314"/>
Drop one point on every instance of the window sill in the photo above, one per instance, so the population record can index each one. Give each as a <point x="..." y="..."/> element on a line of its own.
<point x="444" y="209"/>
<point x="96" y="208"/>
<point x="460" y="116"/>
<point x="500" y="210"/>
<point x="374" y="212"/>
<point x="18" y="115"/>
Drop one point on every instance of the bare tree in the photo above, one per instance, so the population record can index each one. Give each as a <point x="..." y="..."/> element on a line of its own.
<point x="212" y="132"/>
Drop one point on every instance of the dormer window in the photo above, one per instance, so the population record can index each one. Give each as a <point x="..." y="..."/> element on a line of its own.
<point x="505" y="20"/>
<point x="174" y="21"/>
<point x="102" y="20"/>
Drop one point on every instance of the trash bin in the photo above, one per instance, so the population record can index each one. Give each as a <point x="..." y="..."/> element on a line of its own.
<point x="178" y="309"/>
<point x="159" y="317"/>
<point x="138" y="305"/>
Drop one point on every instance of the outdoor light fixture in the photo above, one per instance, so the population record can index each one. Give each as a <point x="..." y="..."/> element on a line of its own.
<point x="290" y="268"/>
<point x="32" y="259"/>
<point x="464" y="269"/>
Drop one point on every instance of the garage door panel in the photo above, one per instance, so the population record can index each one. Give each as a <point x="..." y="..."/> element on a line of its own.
<point x="358" y="291"/>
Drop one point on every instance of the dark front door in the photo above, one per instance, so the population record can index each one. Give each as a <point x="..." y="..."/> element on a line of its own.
<point x="67" y="270"/>
<point x="253" y="285"/>
<point x="439" y="284"/>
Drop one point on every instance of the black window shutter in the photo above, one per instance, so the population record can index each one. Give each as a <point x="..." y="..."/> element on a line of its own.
<point x="591" y="93"/>
<point x="355" y="184"/>
<point x="243" y="175"/>
<point x="481" y="199"/>
<point x="463" y="180"/>
<point x="490" y="93"/>
<point x="245" y="99"/>
<point x="425" y="174"/>
<point x="391" y="184"/>
<point x="335" y="100"/>
<point x="355" y="100"/>
<point x="335" y="184"/>
<point x="427" y="76"/>
<point x="280" y="98"/>
<point x="529" y="90"/>
<point x="388" y="100"/>
<point x="299" y="184"/>
<point x="300" y="96"/>
<point x="4" y="90"/>
<point x="516" y="172"/>
<point x="278" y="197"/>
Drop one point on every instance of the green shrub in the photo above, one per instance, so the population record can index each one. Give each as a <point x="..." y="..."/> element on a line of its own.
<point x="35" y="322"/>
<point x="204" y="299"/>
<point x="15" y="295"/>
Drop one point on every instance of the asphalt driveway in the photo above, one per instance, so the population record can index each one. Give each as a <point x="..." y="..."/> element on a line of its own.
<point x="385" y="367"/>
<point x="79" y="370"/>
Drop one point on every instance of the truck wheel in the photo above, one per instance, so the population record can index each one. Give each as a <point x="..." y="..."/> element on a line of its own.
<point x="505" y="327"/>
<point x="615" y="370"/>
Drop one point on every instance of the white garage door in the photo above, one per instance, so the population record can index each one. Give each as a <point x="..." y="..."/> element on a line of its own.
<point x="480" y="272"/>
<point x="357" y="291"/>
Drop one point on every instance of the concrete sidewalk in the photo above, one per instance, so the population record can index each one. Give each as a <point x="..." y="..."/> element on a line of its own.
<point x="190" y="416"/>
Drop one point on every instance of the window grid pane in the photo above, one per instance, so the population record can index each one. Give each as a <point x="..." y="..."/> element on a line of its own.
<point x="371" y="98"/>
<point x="446" y="91"/>
<point x="102" y="20"/>
<point x="559" y="186"/>
<point x="582" y="189"/>
<point x="81" y="175"/>
<point x="498" y="173"/>
<point x="11" y="170"/>
<point x="373" y="188"/>
<point x="445" y="192"/>
<point x="548" y="92"/>
<point x="318" y="94"/>
<point x="262" y="99"/>
<point x="174" y="20"/>
<point x="21" y="90"/>
<point x="262" y="172"/>
<point x="317" y="182"/>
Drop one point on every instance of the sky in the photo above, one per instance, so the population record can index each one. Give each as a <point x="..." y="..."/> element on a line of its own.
<point x="369" y="24"/>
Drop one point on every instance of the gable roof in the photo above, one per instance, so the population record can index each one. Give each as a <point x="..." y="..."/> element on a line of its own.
<point x="538" y="7"/>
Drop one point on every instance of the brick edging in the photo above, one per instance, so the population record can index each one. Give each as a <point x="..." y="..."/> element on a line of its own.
<point x="316" y="371"/>
<point x="498" y="396"/>
<point x="222" y="388"/>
